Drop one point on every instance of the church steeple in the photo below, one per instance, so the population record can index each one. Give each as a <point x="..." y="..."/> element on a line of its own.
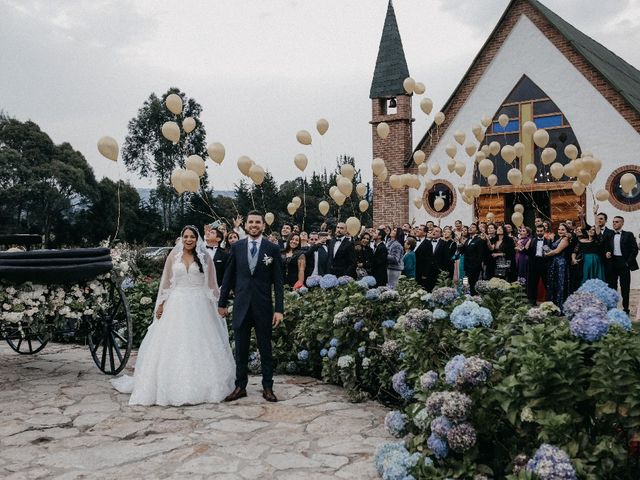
<point x="391" y="65"/>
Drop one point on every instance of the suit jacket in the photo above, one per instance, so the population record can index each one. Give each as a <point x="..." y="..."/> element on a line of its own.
<point x="440" y="257"/>
<point x="531" y="251"/>
<point x="323" y="260"/>
<point x="423" y="255"/>
<point x="379" y="265"/>
<point x="253" y="291"/>
<point x="628" y="247"/>
<point x="344" y="260"/>
<point x="220" y="262"/>
<point x="474" y="250"/>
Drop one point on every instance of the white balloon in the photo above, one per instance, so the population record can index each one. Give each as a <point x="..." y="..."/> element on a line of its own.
<point x="191" y="181"/>
<point x="322" y="126"/>
<point x="529" y="128"/>
<point x="470" y="148"/>
<point x="419" y="157"/>
<point x="519" y="148"/>
<point x="494" y="148"/>
<point x="459" y="136"/>
<point x="435" y="168"/>
<point x="503" y="120"/>
<point x="485" y="167"/>
<point x="419" y="88"/>
<point x="174" y="103"/>
<point x="301" y="161"/>
<point x="486" y="121"/>
<point x="108" y="148"/>
<point x="628" y="182"/>
<point x="508" y="153"/>
<point x="383" y="130"/>
<point x="171" y="132"/>
<point x="548" y="156"/>
<point x="409" y="85"/>
<point x="451" y="150"/>
<point x="438" y="204"/>
<point x="541" y="138"/>
<point x="377" y="166"/>
<point x="303" y="137"/>
<point x="439" y="118"/>
<point x="216" y="152"/>
<point x="348" y="171"/>
<point x="195" y="163"/>
<point x="426" y="104"/>
<point x="257" y="174"/>
<point x="188" y="124"/>
<point x="571" y="151"/>
<point x="451" y="165"/>
<point x="492" y="180"/>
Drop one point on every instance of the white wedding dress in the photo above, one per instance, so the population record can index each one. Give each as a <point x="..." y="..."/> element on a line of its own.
<point x="185" y="357"/>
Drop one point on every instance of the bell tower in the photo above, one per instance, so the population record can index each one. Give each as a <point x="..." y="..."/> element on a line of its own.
<point x="391" y="104"/>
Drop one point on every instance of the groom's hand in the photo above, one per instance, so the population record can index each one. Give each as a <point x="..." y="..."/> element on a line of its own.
<point x="223" y="312"/>
<point x="277" y="319"/>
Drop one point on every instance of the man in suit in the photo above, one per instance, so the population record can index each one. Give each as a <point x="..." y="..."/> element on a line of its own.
<point x="437" y="258"/>
<point x="423" y="253"/>
<point x="537" y="263"/>
<point x="379" y="262"/>
<point x="621" y="253"/>
<point x="604" y="235"/>
<point x="213" y="237"/>
<point x="317" y="257"/>
<point x="254" y="271"/>
<point x="474" y="251"/>
<point x="342" y="253"/>
<point x="285" y="231"/>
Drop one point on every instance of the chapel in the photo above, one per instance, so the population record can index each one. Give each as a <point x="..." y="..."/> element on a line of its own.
<point x="534" y="67"/>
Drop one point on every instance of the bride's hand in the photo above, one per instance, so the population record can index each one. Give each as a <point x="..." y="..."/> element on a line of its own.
<point x="223" y="312"/>
<point x="159" y="311"/>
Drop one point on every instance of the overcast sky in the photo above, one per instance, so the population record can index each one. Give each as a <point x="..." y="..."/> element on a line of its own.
<point x="261" y="69"/>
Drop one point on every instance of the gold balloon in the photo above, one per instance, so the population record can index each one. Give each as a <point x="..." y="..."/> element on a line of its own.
<point x="460" y="168"/>
<point x="438" y="204"/>
<point x="461" y="187"/>
<point x="363" y="206"/>
<point x="451" y="165"/>
<point x="428" y="184"/>
<point x="491" y="217"/>
<point x="517" y="218"/>
<point x="297" y="201"/>
<point x="426" y="104"/>
<point x="301" y="161"/>
<point x="191" y="181"/>
<point x="176" y="180"/>
<point x="541" y="138"/>
<point x="216" y="152"/>
<point x="602" y="195"/>
<point x="171" y="131"/>
<point x="361" y="189"/>
<point x="435" y="168"/>
<point x="508" y="153"/>
<point x="395" y="181"/>
<point x="530" y="171"/>
<point x="557" y="170"/>
<point x="578" y="188"/>
<point x="345" y="186"/>
<point x="409" y="84"/>
<point x="439" y="118"/>
<point x="291" y="208"/>
<point x="514" y="176"/>
<point x="195" y="163"/>
<point x="322" y="126"/>
<point x="503" y="120"/>
<point x="303" y="137"/>
<point x="423" y="168"/>
<point x="339" y="198"/>
<point x="348" y="171"/>
<point x="529" y="128"/>
<point x="323" y="206"/>
<point x="571" y="151"/>
<point x="353" y="226"/>
<point x="474" y="190"/>
<point x="245" y="164"/>
<point x="584" y="177"/>
<point x="470" y="148"/>
<point x="174" y="103"/>
<point x="418" y="157"/>
<point x="518" y="207"/>
<point x="486" y="149"/>
<point x="108" y="148"/>
<point x="485" y="167"/>
<point x="383" y="130"/>
<point x="418" y="202"/>
<point x="189" y="124"/>
<point x="480" y="156"/>
<point x="519" y="148"/>
<point x="548" y="156"/>
<point x="476" y="129"/>
<point x="494" y="148"/>
<point x="377" y="166"/>
<point x="269" y="218"/>
<point x="383" y="176"/>
<point x="628" y="182"/>
<point x="459" y="136"/>
<point x="486" y="121"/>
<point x="257" y="174"/>
<point x="571" y="169"/>
<point x="492" y="180"/>
<point x="419" y="88"/>
<point x="333" y="190"/>
<point x="451" y="150"/>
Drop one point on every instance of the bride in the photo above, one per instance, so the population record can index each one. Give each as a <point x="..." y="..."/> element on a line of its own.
<point x="185" y="357"/>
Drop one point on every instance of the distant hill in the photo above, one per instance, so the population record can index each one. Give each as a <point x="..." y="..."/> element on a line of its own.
<point x="145" y="193"/>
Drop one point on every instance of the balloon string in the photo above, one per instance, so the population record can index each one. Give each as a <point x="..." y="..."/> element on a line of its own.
<point x="115" y="235"/>
<point x="252" y="200"/>
<point x="304" y="200"/>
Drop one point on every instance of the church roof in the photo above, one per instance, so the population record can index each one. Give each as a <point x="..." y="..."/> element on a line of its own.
<point x="622" y="76"/>
<point x="391" y="65"/>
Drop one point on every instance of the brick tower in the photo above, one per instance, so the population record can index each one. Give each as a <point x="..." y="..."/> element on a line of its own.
<point x="392" y="105"/>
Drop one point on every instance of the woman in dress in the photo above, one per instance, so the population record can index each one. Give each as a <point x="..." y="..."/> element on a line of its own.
<point x="558" y="273"/>
<point x="504" y="254"/>
<point x="489" y="261"/>
<point x="460" y="240"/>
<point x="452" y="247"/>
<point x="522" y="259"/>
<point x="185" y="357"/>
<point x="394" y="257"/>
<point x="364" y="255"/>
<point x="409" y="259"/>
<point x="587" y="254"/>
<point x="293" y="262"/>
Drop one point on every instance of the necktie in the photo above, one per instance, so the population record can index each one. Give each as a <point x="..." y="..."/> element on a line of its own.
<point x="617" y="233"/>
<point x="254" y="248"/>
<point x="210" y="248"/>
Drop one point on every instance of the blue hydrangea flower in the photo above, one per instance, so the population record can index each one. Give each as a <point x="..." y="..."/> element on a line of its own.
<point x="551" y="463"/>
<point x="590" y="324"/>
<point x="399" y="382"/>
<point x="291" y="367"/>
<point x="620" y="318"/>
<point x="453" y="369"/>
<point x="440" y="314"/>
<point x="394" y="462"/>
<point x="313" y="281"/>
<point x="324" y="352"/>
<point x="372" y="294"/>
<point x="389" y="323"/>
<point x="328" y="281"/>
<point x="578" y="301"/>
<point x="438" y="446"/>
<point x="362" y="351"/>
<point x="358" y="325"/>
<point x="334" y="342"/>
<point x="303" y="355"/>
<point x="461" y="437"/>
<point x="343" y="280"/>
<point x="369" y="280"/>
<point x="470" y="315"/>
<point x="332" y="352"/>
<point x="443" y="296"/>
<point x="428" y="380"/>
<point x="362" y="284"/>
<point x="303" y="290"/>
<point x="600" y="289"/>
<point x="396" y="423"/>
<point x="440" y="426"/>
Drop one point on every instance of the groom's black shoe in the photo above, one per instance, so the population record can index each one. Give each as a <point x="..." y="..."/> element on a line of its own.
<point x="236" y="394"/>
<point x="268" y="395"/>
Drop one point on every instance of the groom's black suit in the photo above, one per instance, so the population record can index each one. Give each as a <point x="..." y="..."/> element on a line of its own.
<point x="253" y="306"/>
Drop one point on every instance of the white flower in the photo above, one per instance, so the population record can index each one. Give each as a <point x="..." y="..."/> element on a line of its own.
<point x="145" y="300"/>
<point x="267" y="260"/>
<point x="6" y="306"/>
<point x="11" y="291"/>
<point x="366" y="361"/>
<point x="345" y="361"/>
<point x="373" y="335"/>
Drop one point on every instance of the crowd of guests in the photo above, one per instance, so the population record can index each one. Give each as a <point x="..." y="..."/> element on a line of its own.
<point x="550" y="264"/>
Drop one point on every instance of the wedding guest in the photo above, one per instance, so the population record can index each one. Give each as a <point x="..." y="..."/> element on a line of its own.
<point x="213" y="237"/>
<point x="293" y="262"/>
<point x="379" y="261"/>
<point x="423" y="253"/>
<point x="575" y="268"/>
<point x="457" y="228"/>
<point x="604" y="234"/>
<point x="317" y="256"/>
<point x="548" y="231"/>
<point x="438" y="259"/>
<point x="458" y="272"/>
<point x="364" y="256"/>
<point x="304" y="240"/>
<point x="489" y="260"/>
<point x="409" y="259"/>
<point x="232" y="238"/>
<point x="622" y="251"/>
<point x="451" y="248"/>
<point x="586" y="256"/>
<point x="473" y="250"/>
<point x="273" y="238"/>
<point x="503" y="253"/>
<point x="394" y="258"/>
<point x="558" y="273"/>
<point x="522" y="259"/>
<point x="342" y="254"/>
<point x="237" y="227"/>
<point x="285" y="231"/>
<point x="537" y="263"/>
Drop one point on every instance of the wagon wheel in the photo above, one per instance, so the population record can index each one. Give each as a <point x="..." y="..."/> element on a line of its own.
<point x="26" y="342"/>
<point x="112" y="336"/>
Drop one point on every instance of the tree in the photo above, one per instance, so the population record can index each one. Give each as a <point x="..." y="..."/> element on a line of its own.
<point x="149" y="154"/>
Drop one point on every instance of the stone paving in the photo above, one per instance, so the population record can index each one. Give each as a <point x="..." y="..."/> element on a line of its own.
<point x="60" y="418"/>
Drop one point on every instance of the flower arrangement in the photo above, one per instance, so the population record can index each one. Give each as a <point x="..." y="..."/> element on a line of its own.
<point x="470" y="315"/>
<point x="443" y="296"/>
<point x="590" y="324"/>
<point x="580" y="300"/>
<point x="601" y="290"/>
<point x="328" y="281"/>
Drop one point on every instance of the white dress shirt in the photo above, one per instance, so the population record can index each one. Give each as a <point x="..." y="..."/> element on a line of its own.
<point x="617" y="251"/>
<point x="336" y="245"/>
<point x="539" y="245"/>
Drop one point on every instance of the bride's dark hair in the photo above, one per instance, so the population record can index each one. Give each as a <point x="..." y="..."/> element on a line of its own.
<point x="195" y="231"/>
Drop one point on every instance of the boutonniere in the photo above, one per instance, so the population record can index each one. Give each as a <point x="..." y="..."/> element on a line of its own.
<point x="267" y="260"/>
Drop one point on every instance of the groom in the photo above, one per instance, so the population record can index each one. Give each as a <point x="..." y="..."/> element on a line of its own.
<point x="253" y="271"/>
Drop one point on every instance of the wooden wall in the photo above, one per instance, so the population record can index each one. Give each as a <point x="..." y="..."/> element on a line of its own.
<point x="491" y="203"/>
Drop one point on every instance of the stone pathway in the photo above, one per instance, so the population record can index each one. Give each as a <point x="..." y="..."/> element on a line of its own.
<point x="60" y="418"/>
